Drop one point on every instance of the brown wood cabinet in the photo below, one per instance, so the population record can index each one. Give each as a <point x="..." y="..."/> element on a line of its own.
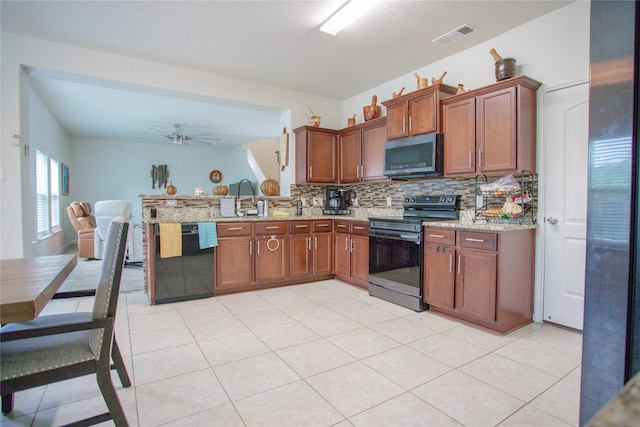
<point x="482" y="277"/>
<point x="361" y="152"/>
<point x="491" y="130"/>
<point x="272" y="251"/>
<point x="417" y="112"/>
<point x="352" y="252"/>
<point x="311" y="251"/>
<point x="234" y="255"/>
<point x="316" y="155"/>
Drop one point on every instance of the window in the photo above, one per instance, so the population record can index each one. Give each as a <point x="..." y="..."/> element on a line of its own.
<point x="47" y="181"/>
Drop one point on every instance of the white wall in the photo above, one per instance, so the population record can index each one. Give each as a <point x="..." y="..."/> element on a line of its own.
<point x="17" y="51"/>
<point x="46" y="133"/>
<point x="552" y="49"/>
<point x="105" y="170"/>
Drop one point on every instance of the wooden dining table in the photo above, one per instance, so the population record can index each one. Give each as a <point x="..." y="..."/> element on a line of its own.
<point x="28" y="284"/>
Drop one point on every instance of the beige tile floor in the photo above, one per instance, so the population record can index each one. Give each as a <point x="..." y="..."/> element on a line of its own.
<point x="318" y="354"/>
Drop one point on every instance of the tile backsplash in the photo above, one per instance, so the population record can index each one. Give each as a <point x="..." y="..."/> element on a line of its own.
<point x="375" y="195"/>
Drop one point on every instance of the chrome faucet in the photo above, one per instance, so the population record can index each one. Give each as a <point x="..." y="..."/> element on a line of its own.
<point x="238" y="198"/>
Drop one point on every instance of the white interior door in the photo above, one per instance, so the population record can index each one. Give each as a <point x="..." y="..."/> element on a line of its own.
<point x="566" y="159"/>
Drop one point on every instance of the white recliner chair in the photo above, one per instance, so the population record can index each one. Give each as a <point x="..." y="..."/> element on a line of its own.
<point x="104" y="212"/>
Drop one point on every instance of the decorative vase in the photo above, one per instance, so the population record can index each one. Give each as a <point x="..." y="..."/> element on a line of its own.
<point x="220" y="190"/>
<point x="171" y="189"/>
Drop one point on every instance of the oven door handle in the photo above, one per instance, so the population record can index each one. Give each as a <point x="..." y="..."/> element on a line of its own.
<point x="415" y="238"/>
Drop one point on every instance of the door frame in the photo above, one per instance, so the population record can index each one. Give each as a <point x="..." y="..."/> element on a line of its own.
<point x="538" y="296"/>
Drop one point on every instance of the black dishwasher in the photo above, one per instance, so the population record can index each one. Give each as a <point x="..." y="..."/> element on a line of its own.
<point x="186" y="277"/>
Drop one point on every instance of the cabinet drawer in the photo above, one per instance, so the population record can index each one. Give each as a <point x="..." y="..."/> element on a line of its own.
<point x="226" y="229"/>
<point x="440" y="236"/>
<point x="279" y="227"/>
<point x="299" y="226"/>
<point x="324" y="225"/>
<point x="360" y="228"/>
<point x="342" y="225"/>
<point x="478" y="240"/>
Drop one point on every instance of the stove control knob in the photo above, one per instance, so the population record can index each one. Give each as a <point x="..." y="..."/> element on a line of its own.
<point x="450" y="200"/>
<point x="406" y="200"/>
<point x="443" y="199"/>
<point x="413" y="200"/>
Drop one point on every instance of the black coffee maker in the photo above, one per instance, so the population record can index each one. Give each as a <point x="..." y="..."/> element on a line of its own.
<point x="335" y="202"/>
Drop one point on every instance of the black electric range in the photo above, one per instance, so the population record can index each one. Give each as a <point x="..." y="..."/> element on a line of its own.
<point x="396" y="249"/>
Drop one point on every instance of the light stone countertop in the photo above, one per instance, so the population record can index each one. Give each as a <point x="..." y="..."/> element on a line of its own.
<point x="480" y="225"/>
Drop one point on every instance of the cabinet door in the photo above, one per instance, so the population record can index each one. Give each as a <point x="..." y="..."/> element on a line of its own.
<point x="397" y="126"/>
<point x="439" y="275"/>
<point x="423" y="114"/>
<point x="372" y="153"/>
<point x="496" y="131"/>
<point x="477" y="284"/>
<point x="234" y="266"/>
<point x="342" y="260"/>
<point x="271" y="258"/>
<point x="350" y="156"/>
<point x="322" y="253"/>
<point x="321" y="157"/>
<point x="360" y="259"/>
<point x="459" y="125"/>
<point x="300" y="255"/>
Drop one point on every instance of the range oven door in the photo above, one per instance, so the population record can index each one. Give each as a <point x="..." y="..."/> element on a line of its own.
<point x="396" y="261"/>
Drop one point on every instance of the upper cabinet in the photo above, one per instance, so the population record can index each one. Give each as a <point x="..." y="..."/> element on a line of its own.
<point x="316" y="155"/>
<point x="491" y="130"/>
<point x="361" y="152"/>
<point x="417" y="112"/>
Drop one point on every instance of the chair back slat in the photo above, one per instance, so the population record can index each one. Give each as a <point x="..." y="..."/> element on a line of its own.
<point x="106" y="298"/>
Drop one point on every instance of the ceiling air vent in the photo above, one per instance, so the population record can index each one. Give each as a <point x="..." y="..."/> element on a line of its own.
<point x="454" y="35"/>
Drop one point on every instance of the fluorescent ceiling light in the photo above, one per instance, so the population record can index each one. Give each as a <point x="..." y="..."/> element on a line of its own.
<point x="351" y="11"/>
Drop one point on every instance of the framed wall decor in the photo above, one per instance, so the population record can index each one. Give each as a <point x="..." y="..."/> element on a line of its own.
<point x="65" y="179"/>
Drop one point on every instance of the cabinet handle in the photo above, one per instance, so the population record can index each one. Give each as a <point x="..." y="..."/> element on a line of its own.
<point x="346" y="241"/>
<point x="439" y="236"/>
<point x="301" y="226"/>
<point x="358" y="171"/>
<point x="324" y="225"/>
<point x="410" y="123"/>
<point x="404" y="124"/>
<point x="308" y="243"/>
<point x="469" y="239"/>
<point x="272" y="227"/>
<point x="258" y="243"/>
<point x="315" y="243"/>
<point x="341" y="225"/>
<point x="234" y="228"/>
<point x="362" y="171"/>
<point x="250" y="247"/>
<point x="450" y="263"/>
<point x="479" y="157"/>
<point x="470" y="154"/>
<point x="310" y="172"/>
<point x="357" y="227"/>
<point x="351" y="245"/>
<point x="459" y="264"/>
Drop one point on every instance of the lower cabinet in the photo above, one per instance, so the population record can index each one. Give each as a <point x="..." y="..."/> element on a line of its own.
<point x="234" y="255"/>
<point x="482" y="277"/>
<point x="311" y="251"/>
<point x="352" y="252"/>
<point x="272" y="252"/>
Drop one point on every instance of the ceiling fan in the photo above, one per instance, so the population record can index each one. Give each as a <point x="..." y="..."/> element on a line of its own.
<point x="179" y="138"/>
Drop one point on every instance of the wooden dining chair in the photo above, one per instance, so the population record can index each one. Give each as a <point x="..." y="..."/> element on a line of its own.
<point x="60" y="347"/>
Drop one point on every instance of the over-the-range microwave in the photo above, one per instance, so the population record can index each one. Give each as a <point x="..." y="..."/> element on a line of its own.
<point x="416" y="157"/>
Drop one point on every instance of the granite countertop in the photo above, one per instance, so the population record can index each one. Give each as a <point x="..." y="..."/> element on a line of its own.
<point x="479" y="225"/>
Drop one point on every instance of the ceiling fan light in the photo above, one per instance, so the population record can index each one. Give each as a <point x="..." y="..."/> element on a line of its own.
<point x="351" y="11"/>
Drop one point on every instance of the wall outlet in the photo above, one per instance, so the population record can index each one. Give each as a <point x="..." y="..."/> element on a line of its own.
<point x="389" y="201"/>
<point x="171" y="203"/>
